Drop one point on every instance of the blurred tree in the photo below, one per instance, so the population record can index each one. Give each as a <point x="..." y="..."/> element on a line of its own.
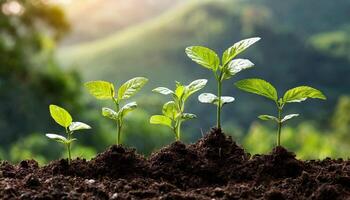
<point x="30" y="78"/>
<point x="341" y="119"/>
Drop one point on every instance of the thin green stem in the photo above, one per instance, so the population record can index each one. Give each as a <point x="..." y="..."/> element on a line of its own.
<point x="119" y="125"/>
<point x="279" y="126"/>
<point x="68" y="146"/>
<point x="218" y="111"/>
<point x="177" y="130"/>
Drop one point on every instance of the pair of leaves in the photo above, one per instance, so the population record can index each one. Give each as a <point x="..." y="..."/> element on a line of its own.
<point x="210" y="60"/>
<point x="284" y="119"/>
<point x="182" y="92"/>
<point x="111" y="114"/>
<point x="167" y="121"/>
<point x="264" y="88"/>
<point x="63" y="118"/>
<point x="105" y="90"/>
<point x="213" y="99"/>
<point x="59" y="138"/>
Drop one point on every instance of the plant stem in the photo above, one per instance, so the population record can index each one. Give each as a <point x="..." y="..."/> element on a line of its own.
<point x="279" y="126"/>
<point x="119" y="126"/>
<point x="68" y="147"/>
<point x="218" y="115"/>
<point x="178" y="130"/>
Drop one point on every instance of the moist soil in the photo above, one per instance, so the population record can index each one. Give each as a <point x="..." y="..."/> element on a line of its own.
<point x="214" y="167"/>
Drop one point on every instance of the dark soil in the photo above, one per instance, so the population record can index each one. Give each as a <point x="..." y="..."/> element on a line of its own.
<point x="213" y="168"/>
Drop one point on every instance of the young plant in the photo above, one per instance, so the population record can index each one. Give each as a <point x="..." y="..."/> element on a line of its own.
<point x="222" y="71"/>
<point x="173" y="111"/>
<point x="104" y="90"/>
<point x="63" y="118"/>
<point x="294" y="95"/>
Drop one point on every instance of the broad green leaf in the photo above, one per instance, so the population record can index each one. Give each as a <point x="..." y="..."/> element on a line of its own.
<point x="208" y="98"/>
<point x="186" y="116"/>
<point x="236" y="66"/>
<point x="169" y="109"/>
<point x="131" y="87"/>
<point x="237" y="48"/>
<point x="111" y="114"/>
<point x="267" y="117"/>
<point x="301" y="93"/>
<point x="203" y="56"/>
<point x="258" y="86"/>
<point x="163" y="90"/>
<point x="57" y="138"/>
<point x="127" y="108"/>
<point x="100" y="89"/>
<point x="226" y="100"/>
<point x="161" y="119"/>
<point x="60" y="115"/>
<point x="194" y="87"/>
<point x="288" y="117"/>
<point x="78" y="126"/>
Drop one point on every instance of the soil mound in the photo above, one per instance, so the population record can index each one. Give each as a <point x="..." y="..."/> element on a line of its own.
<point x="215" y="167"/>
<point x="118" y="162"/>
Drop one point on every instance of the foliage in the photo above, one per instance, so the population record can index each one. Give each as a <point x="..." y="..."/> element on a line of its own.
<point x="228" y="68"/>
<point x="30" y="77"/>
<point x="174" y="111"/>
<point x="294" y="95"/>
<point x="104" y="90"/>
<point x="64" y="119"/>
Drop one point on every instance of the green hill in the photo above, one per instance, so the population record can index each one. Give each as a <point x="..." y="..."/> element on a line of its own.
<point x="284" y="56"/>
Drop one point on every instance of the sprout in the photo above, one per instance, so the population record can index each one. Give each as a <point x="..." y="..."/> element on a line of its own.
<point x="294" y="95"/>
<point x="228" y="68"/>
<point x="63" y="118"/>
<point x="173" y="111"/>
<point x="105" y="90"/>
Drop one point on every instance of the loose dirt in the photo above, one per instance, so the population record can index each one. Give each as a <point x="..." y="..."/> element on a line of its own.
<point x="214" y="167"/>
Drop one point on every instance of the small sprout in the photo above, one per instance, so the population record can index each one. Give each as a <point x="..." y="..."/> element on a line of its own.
<point x="228" y="68"/>
<point x="264" y="88"/>
<point x="63" y="118"/>
<point x="173" y="111"/>
<point x="105" y="90"/>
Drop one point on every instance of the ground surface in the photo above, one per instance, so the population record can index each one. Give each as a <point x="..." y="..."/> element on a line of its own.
<point x="213" y="168"/>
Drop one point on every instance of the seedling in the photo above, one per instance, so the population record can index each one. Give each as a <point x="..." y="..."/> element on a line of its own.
<point x="104" y="90"/>
<point x="173" y="111"/>
<point x="63" y="118"/>
<point x="294" y="95"/>
<point x="228" y="68"/>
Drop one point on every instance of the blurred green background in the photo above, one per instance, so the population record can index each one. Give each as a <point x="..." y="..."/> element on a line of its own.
<point x="49" y="48"/>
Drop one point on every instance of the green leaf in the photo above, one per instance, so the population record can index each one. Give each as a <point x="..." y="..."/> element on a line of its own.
<point x="268" y="117"/>
<point x="127" y="108"/>
<point x="180" y="89"/>
<point x="236" y="66"/>
<point x="203" y="56"/>
<point x="78" y="126"/>
<point x="288" y="117"/>
<point x="60" y="115"/>
<point x="163" y="90"/>
<point x="131" y="87"/>
<point x="259" y="87"/>
<point x="194" y="87"/>
<point x="186" y="116"/>
<point x="226" y="100"/>
<point x="111" y="114"/>
<point x="57" y="138"/>
<point x="208" y="98"/>
<point x="237" y="48"/>
<point x="161" y="119"/>
<point x="169" y="109"/>
<point x="301" y="93"/>
<point x="100" y="89"/>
